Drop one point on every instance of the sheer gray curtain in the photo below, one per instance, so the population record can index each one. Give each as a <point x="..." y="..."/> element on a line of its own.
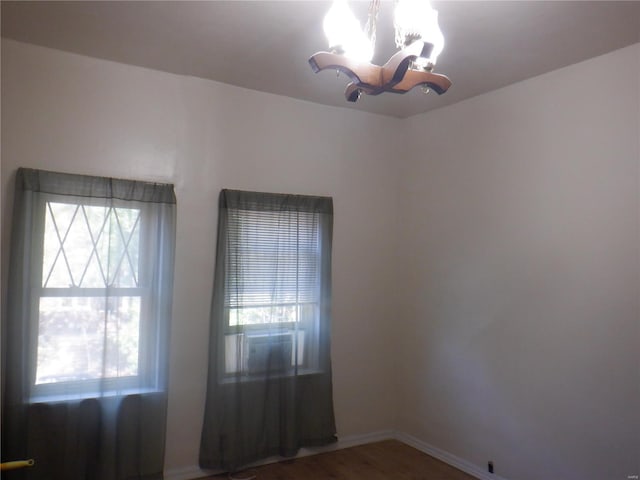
<point x="85" y="335"/>
<point x="269" y="386"/>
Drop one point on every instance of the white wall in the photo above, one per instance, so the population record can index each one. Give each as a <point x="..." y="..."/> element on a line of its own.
<point x="521" y="275"/>
<point x="71" y="113"/>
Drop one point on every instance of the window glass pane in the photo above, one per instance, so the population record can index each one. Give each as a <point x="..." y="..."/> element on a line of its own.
<point x="82" y="338"/>
<point x="90" y="246"/>
<point x="125" y="247"/>
<point x="262" y="315"/>
<point x="58" y="218"/>
<point x="272" y="314"/>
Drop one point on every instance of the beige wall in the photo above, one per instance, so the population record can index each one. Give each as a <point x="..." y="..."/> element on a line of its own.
<point x="71" y="113"/>
<point x="510" y="330"/>
<point x="521" y="274"/>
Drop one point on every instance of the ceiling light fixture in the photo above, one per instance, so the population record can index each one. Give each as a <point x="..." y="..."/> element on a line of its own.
<point x="417" y="35"/>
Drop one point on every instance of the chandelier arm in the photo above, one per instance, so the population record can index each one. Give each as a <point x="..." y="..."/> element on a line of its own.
<point x="363" y="74"/>
<point x="435" y="81"/>
<point x="418" y="48"/>
<point x="395" y="69"/>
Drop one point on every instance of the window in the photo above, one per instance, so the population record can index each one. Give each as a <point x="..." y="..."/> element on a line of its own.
<point x="273" y="290"/>
<point x="269" y="387"/>
<point x="94" y="291"/>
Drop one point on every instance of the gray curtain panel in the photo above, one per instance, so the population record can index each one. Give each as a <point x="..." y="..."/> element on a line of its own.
<point x="85" y="335"/>
<point x="269" y="388"/>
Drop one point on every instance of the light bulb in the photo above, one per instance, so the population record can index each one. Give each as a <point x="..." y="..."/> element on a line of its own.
<point x="344" y="33"/>
<point x="408" y="15"/>
<point x="416" y="19"/>
<point x="432" y="34"/>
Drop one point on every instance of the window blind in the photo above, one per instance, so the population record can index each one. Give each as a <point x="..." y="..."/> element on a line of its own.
<point x="273" y="258"/>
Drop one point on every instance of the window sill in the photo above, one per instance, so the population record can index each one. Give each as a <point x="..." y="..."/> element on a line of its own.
<point x="71" y="397"/>
<point x="259" y="377"/>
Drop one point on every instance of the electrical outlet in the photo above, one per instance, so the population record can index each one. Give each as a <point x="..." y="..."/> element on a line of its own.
<point x="490" y="466"/>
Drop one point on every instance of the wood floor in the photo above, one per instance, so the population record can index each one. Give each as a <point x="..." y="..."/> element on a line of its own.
<point x="387" y="460"/>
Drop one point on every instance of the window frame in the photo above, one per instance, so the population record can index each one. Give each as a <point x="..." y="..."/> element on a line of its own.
<point x="147" y="379"/>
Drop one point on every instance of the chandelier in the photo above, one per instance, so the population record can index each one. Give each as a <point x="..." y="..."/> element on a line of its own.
<point x="417" y="36"/>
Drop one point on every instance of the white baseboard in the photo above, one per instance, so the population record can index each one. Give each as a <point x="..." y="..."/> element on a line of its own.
<point x="193" y="472"/>
<point x="447" y="457"/>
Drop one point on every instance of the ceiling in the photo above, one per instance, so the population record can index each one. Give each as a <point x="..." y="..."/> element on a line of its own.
<point x="265" y="45"/>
